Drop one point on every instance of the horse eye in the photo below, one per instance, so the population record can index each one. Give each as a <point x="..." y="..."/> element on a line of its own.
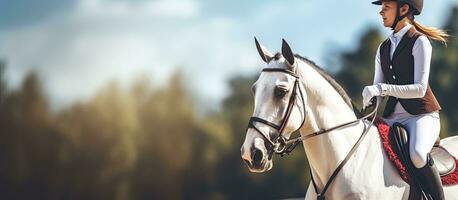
<point x="253" y="89"/>
<point x="280" y="92"/>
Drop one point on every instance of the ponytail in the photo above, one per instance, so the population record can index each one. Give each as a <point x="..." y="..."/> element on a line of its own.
<point x="432" y="32"/>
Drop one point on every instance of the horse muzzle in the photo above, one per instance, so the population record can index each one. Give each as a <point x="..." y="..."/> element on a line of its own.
<point x="257" y="157"/>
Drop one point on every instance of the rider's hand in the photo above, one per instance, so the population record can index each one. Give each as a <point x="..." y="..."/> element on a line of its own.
<point x="369" y="92"/>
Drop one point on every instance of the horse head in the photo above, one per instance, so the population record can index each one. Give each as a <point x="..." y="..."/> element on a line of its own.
<point x="279" y="110"/>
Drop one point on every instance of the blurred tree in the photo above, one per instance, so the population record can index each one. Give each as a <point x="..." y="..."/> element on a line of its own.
<point x="444" y="70"/>
<point x="102" y="135"/>
<point x="358" y="64"/>
<point x="169" y="125"/>
<point x="28" y="143"/>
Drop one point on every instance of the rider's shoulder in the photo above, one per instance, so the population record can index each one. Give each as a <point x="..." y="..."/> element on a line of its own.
<point x="383" y="44"/>
<point x="422" y="42"/>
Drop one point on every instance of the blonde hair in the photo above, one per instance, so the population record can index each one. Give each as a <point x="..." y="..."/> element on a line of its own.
<point x="432" y="33"/>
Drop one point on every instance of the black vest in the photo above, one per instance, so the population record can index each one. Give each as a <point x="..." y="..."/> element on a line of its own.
<point x="400" y="71"/>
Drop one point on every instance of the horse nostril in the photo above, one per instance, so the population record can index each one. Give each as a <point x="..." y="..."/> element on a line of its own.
<point x="257" y="157"/>
<point x="247" y="162"/>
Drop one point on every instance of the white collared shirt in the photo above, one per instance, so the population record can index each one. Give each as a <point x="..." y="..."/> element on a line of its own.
<point x="421" y="52"/>
<point x="395" y="38"/>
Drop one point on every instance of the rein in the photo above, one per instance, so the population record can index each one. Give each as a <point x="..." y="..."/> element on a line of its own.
<point x="320" y="195"/>
<point x="282" y="146"/>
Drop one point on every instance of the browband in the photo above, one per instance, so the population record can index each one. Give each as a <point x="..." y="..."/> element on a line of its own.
<point x="280" y="70"/>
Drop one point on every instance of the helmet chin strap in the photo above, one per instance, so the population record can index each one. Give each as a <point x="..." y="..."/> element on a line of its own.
<point x="398" y="17"/>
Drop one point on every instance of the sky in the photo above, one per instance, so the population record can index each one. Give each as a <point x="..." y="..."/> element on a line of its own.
<point x="77" y="46"/>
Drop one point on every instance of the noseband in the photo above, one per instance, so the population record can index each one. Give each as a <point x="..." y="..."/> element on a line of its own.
<point x="282" y="146"/>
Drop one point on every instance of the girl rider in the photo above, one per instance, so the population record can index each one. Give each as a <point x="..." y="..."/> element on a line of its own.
<point x="402" y="67"/>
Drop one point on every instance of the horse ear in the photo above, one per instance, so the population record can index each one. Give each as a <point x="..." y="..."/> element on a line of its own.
<point x="287" y="52"/>
<point x="263" y="52"/>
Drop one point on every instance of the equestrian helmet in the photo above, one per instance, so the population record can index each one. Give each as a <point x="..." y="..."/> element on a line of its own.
<point x="415" y="5"/>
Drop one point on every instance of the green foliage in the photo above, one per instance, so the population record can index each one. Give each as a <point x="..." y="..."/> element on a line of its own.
<point x="140" y="143"/>
<point x="29" y="143"/>
<point x="357" y="65"/>
<point x="444" y="70"/>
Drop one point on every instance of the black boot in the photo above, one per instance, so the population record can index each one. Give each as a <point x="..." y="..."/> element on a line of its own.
<point x="431" y="180"/>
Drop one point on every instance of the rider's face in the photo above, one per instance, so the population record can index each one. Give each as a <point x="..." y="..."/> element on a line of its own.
<point x="388" y="13"/>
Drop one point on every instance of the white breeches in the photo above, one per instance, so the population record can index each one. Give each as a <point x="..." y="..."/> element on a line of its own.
<point x="423" y="131"/>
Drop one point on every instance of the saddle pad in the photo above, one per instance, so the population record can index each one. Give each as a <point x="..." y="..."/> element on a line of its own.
<point x="444" y="161"/>
<point x="384" y="129"/>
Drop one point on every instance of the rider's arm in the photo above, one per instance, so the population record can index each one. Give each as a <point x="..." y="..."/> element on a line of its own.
<point x="378" y="74"/>
<point x="422" y="59"/>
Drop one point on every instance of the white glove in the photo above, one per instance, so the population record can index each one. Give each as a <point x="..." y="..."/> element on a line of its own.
<point x="369" y="92"/>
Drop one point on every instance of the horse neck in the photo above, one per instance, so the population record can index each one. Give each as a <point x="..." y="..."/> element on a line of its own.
<point x="325" y="109"/>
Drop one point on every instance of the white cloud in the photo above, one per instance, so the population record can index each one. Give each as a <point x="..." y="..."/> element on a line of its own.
<point x="159" y="8"/>
<point x="78" y="52"/>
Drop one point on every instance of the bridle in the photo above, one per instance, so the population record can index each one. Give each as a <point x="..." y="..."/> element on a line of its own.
<point x="282" y="146"/>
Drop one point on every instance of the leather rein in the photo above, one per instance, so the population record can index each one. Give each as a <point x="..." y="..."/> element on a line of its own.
<point x="283" y="146"/>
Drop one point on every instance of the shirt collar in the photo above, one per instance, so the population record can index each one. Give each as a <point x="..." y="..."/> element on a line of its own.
<point x="397" y="36"/>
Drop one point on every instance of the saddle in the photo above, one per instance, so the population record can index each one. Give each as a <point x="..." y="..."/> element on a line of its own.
<point x="399" y="140"/>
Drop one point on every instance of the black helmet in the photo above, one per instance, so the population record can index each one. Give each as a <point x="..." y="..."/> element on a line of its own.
<point x="415" y="5"/>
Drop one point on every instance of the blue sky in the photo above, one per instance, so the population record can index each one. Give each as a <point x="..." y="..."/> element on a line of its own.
<point x="77" y="46"/>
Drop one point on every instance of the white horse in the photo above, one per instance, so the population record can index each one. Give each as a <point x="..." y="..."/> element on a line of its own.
<point x="369" y="174"/>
